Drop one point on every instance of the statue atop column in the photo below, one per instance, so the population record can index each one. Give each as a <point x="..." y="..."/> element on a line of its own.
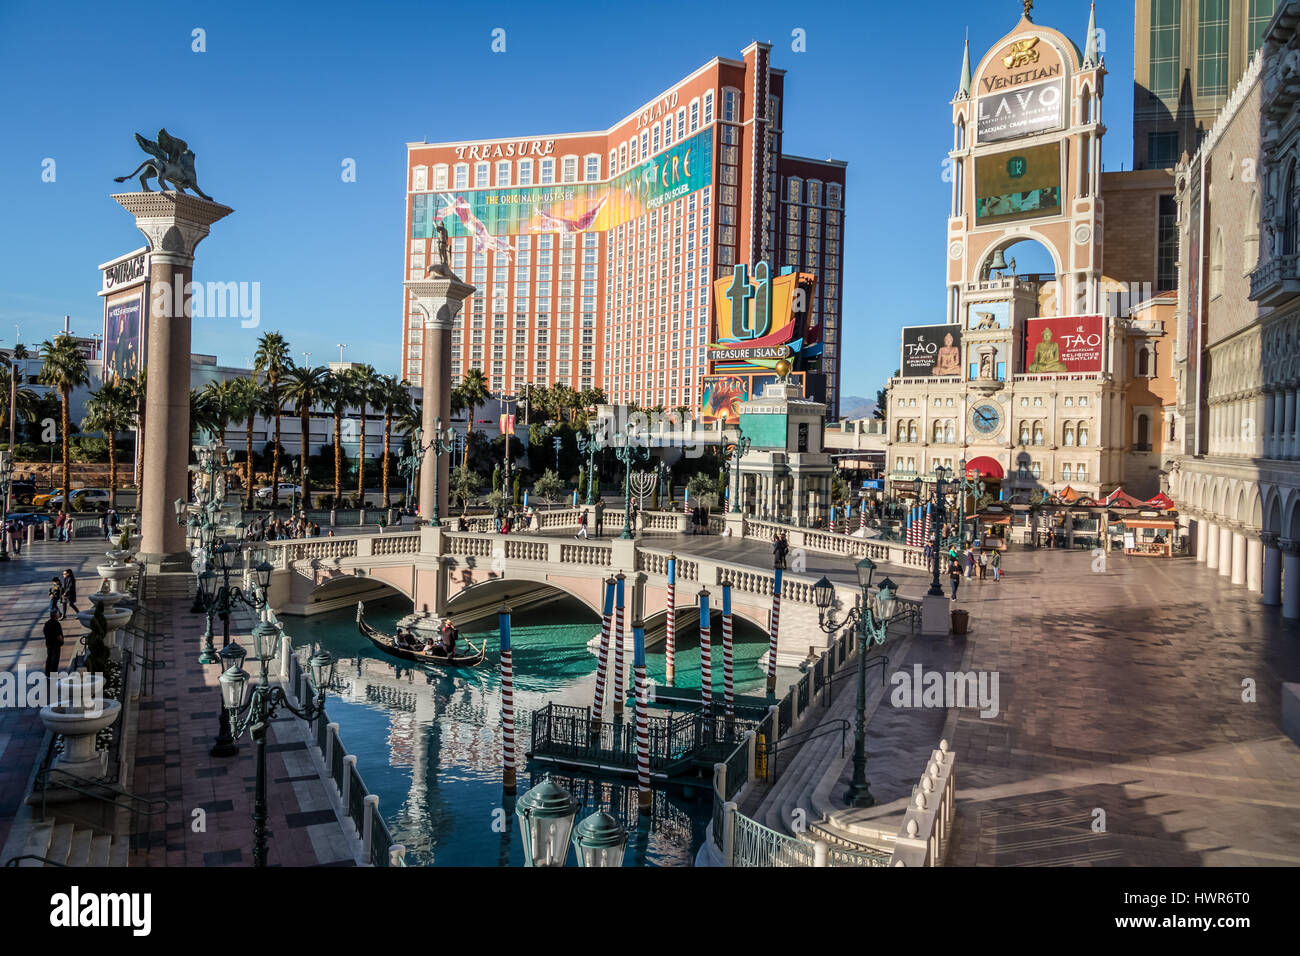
<point x="441" y="266"/>
<point x="172" y="162"/>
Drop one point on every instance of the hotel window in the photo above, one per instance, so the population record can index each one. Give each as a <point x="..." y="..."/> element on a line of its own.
<point x="613" y="162"/>
<point x="794" y="192"/>
<point x="1163" y="77"/>
<point x="681" y="123"/>
<point x="654" y="139"/>
<point x="1069" y="435"/>
<point x="569" y="166"/>
<point x="1038" y="433"/>
<point x="481" y="173"/>
<point x="1024" y="433"/>
<point x="695" y="115"/>
<point x="593" y="168"/>
<point x="708" y="108"/>
<point x="1212" y="49"/>
<point x="1081" y="472"/>
<point x="834" y="193"/>
<point x="525" y="172"/>
<point x="419" y="178"/>
<point x="440" y="176"/>
<point x="1066" y="473"/>
<point x="1036" y="470"/>
<point x="503" y="173"/>
<point x="462" y="175"/>
<point x="730" y="105"/>
<point x="1261" y="12"/>
<point x="1083" y="436"/>
<point x="645" y="144"/>
<point x="548" y="172"/>
<point x="634" y="154"/>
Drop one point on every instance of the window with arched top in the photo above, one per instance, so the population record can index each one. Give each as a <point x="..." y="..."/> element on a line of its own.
<point x="938" y="431"/>
<point x="1083" y="436"/>
<point x="1143" y="361"/>
<point x="950" y="432"/>
<point x="1068" y="435"/>
<point x="1024" y="433"/>
<point x="902" y="431"/>
<point x="1291" y="224"/>
<point x="911" y="432"/>
<point x="1066" y="473"/>
<point x="1038" y="433"/>
<point x="1216" y="264"/>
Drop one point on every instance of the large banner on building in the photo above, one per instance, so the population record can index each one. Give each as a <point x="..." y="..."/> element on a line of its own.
<point x="1024" y="184"/>
<point x="123" y="339"/>
<point x="762" y="319"/>
<point x="930" y="351"/>
<point x="722" y="394"/>
<point x="1013" y="113"/>
<point x="1064" y="344"/>
<point x="566" y="208"/>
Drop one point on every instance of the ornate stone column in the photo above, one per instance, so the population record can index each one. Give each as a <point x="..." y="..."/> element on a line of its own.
<point x="1211" y="545"/>
<point x="1270" y="422"/>
<point x="1290" y="579"/>
<point x="1225" y="550"/>
<point x="1238" y="556"/>
<point x="439" y="298"/>
<point x="1288" y="426"/>
<point x="1272" y="584"/>
<point x="1254" y="560"/>
<point x="1199" y="538"/>
<point x="174" y="224"/>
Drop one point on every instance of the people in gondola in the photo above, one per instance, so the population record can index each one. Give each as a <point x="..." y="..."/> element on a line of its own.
<point x="448" y="634"/>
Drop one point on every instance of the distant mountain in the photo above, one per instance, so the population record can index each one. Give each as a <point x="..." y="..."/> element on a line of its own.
<point x="854" y="406"/>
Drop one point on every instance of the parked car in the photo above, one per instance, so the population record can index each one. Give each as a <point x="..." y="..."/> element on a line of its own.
<point x="24" y="518"/>
<point x="22" y="490"/>
<point x="285" y="492"/>
<point x="42" y="499"/>
<point x="83" y="499"/>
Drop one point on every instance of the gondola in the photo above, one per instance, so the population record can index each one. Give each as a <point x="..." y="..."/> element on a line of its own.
<point x="386" y="644"/>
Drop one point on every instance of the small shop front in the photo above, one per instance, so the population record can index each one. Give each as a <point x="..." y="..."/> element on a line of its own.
<point x="992" y="530"/>
<point x="1153" y="537"/>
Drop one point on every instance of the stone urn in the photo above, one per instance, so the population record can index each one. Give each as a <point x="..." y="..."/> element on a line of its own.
<point x="82" y="712"/>
<point x="117" y="570"/>
<point x="115" y="616"/>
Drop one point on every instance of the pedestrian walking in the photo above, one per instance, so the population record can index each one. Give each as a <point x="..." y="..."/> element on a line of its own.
<point x="53" y="643"/>
<point x="995" y="561"/>
<point x="582" y="526"/>
<point x="58" y="526"/>
<point x="600" y="518"/>
<point x="954" y="573"/>
<point x="16" y="537"/>
<point x="970" y="562"/>
<point x="69" y="588"/>
<point x="56" y="596"/>
<point x="984" y="564"/>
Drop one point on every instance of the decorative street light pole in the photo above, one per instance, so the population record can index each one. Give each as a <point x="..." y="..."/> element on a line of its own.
<point x="442" y="442"/>
<point x="265" y="703"/>
<point x="409" y="465"/>
<point x="966" y="485"/>
<point x="6" y="479"/>
<point x="941" y="475"/>
<point x="226" y="598"/>
<point x="629" y="454"/>
<point x="557" y="443"/>
<point x="871" y="626"/>
<point x="588" y="445"/>
<point x="546" y="814"/>
<point x="738" y="452"/>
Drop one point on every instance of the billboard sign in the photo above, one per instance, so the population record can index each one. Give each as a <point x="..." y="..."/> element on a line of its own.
<point x="723" y="394"/>
<point x="566" y="208"/>
<point x="123" y="339"/>
<point x="1023" y="111"/>
<point x="1024" y="184"/>
<point x="931" y="351"/>
<point x="763" y="319"/>
<point x="1064" y="344"/>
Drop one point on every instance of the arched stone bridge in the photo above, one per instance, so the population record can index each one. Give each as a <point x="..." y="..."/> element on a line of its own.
<point x="467" y="575"/>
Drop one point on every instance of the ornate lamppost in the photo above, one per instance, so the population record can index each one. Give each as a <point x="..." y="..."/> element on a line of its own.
<point x="966" y="485"/>
<point x="6" y="479"/>
<point x="224" y="602"/>
<point x="442" y="443"/>
<point x="409" y="464"/>
<point x="629" y="454"/>
<point x="589" y="445"/>
<point x="738" y="451"/>
<point x="261" y="708"/>
<point x="941" y="476"/>
<point x="546" y="814"/>
<point x="872" y="624"/>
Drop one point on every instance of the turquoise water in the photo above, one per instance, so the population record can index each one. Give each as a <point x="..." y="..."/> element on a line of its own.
<point x="428" y="741"/>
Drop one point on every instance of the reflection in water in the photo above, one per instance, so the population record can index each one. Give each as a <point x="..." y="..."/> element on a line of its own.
<point x="428" y="740"/>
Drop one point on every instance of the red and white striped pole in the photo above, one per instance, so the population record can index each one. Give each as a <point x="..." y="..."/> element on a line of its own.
<point x="728" y="690"/>
<point x="642" y="718"/>
<point x="602" y="662"/>
<point x="670" y="641"/>
<point x="507" y="703"/>
<point x="706" y="655"/>
<point x="619" y="690"/>
<point x="773" y="629"/>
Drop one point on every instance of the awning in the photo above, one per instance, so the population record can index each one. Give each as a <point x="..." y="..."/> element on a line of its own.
<point x="995" y="519"/>
<point x="1068" y="495"/>
<point x="987" y="468"/>
<point x="1161" y="502"/>
<point x="1162" y="524"/>
<point x="1120" y="499"/>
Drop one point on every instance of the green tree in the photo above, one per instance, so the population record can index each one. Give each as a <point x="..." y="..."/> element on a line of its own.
<point x="549" y="487"/>
<point x="136" y="388"/>
<point x="365" y="384"/>
<point x="304" y="387"/>
<point x="339" y="395"/>
<point x="272" y="361"/>
<point x="471" y="393"/>
<point x="465" y="484"/>
<point x="110" y="411"/>
<point x="518" y="489"/>
<point x="248" y="401"/>
<point x="64" y="370"/>
<point x="496" y="478"/>
<point x="223" y="401"/>
<point x="394" y="399"/>
<point x="22" y="400"/>
<point x="582" y="484"/>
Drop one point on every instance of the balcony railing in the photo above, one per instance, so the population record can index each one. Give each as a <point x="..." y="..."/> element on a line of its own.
<point x="1275" y="281"/>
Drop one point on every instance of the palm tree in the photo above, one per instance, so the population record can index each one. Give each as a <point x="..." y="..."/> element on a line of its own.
<point x="391" y="396"/>
<point x="64" y="370"/>
<point x="304" y="387"/>
<point x="472" y="392"/>
<point x="365" y="383"/>
<point x="272" y="360"/>
<point x="135" y="388"/>
<point x="23" y="399"/>
<point x="338" y="395"/>
<point x="110" y="410"/>
<point x="223" y="401"/>
<point x="248" y="402"/>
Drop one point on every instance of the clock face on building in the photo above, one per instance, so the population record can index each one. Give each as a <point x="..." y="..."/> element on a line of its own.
<point x="986" y="418"/>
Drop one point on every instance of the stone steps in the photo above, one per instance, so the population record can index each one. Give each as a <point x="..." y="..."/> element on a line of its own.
<point x="71" y="845"/>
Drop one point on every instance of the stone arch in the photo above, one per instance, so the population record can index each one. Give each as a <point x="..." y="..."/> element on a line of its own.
<point x="499" y="588"/>
<point x="1272" y="512"/>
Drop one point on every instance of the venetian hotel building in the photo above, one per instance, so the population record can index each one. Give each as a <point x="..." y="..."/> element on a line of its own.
<point x="593" y="254"/>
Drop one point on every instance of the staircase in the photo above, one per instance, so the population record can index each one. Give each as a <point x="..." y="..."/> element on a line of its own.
<point x="65" y="844"/>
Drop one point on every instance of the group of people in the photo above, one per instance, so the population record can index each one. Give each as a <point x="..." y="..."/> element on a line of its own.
<point x="109" y="524"/>
<point x="63" y="594"/>
<point x="275" y="529"/>
<point x="599" y="521"/>
<point x="15" y="530"/>
<point x="445" y="646"/>
<point x="507" y="519"/>
<point x="968" y="564"/>
<point x="780" y="549"/>
<point x="699" y="520"/>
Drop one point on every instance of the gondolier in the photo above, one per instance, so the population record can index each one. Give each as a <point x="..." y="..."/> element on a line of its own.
<point x="404" y="647"/>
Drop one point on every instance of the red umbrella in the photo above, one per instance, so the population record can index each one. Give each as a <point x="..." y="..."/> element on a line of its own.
<point x="1161" y="502"/>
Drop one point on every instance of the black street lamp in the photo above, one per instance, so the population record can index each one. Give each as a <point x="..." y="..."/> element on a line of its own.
<point x="441" y="444"/>
<point x="739" y="450"/>
<point x="6" y="479"/>
<point x="589" y="445"/>
<point x="872" y="625"/>
<point x="226" y="598"/>
<point x="629" y="454"/>
<point x="941" y="476"/>
<point x="261" y="708"/>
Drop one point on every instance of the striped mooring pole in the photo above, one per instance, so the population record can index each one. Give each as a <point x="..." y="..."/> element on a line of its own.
<point x="862" y="520"/>
<point x="670" y="641"/>
<point x="619" y="688"/>
<point x="774" y="629"/>
<point x="706" y="655"/>
<point x="507" y="703"/>
<point x="642" y="717"/>
<point x="728" y="694"/>
<point x="602" y="665"/>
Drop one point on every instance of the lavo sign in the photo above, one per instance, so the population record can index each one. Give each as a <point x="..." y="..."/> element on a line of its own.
<point x="1016" y="113"/>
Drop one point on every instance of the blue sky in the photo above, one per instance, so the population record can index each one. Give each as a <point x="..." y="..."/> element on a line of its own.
<point x="286" y="92"/>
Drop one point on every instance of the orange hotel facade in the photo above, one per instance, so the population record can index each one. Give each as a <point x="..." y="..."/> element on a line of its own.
<point x="593" y="254"/>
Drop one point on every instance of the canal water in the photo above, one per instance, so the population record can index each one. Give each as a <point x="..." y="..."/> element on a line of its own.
<point x="428" y="740"/>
